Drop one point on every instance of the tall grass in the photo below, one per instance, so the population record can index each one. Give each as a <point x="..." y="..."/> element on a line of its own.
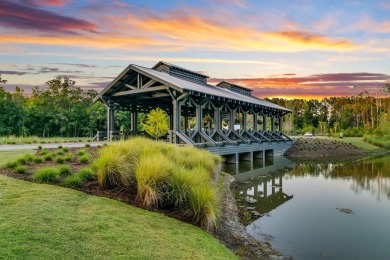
<point x="378" y="140"/>
<point x="164" y="175"/>
<point x="36" y="140"/>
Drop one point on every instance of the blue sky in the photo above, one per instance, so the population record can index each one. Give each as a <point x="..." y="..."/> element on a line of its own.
<point x="302" y="49"/>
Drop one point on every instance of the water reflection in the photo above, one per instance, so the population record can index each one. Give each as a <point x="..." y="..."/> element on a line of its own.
<point x="299" y="203"/>
<point x="368" y="174"/>
<point x="258" y="185"/>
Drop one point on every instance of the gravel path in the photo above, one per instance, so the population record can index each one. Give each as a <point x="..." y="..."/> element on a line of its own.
<point x="13" y="147"/>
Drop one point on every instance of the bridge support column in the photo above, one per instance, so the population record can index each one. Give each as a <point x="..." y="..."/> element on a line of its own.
<point x="281" y="123"/>
<point x="110" y="122"/>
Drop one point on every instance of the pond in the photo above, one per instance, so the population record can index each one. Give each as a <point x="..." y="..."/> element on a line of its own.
<point x="313" y="210"/>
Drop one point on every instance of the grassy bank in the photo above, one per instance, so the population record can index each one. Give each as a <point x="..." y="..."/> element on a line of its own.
<point x="44" y="221"/>
<point x="40" y="140"/>
<point x="357" y="141"/>
<point x="378" y="140"/>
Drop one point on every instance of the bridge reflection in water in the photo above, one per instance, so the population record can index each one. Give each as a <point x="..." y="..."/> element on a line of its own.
<point x="258" y="185"/>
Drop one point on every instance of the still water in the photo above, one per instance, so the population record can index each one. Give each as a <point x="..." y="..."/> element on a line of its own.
<point x="317" y="210"/>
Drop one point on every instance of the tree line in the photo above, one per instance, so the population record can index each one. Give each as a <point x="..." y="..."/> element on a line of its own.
<point x="63" y="109"/>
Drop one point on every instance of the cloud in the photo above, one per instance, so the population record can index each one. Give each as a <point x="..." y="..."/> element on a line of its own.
<point x="80" y="65"/>
<point x="17" y="16"/>
<point x="38" y="3"/>
<point x="12" y="72"/>
<point x="369" y="25"/>
<point x="145" y="29"/>
<point x="313" y="86"/>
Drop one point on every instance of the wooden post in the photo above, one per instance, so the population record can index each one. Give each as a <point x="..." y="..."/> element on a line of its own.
<point x="232" y="118"/>
<point x="244" y="120"/>
<point x="255" y="125"/>
<point x="133" y="122"/>
<point x="217" y="118"/>
<point x="175" y="119"/>
<point x="281" y="124"/>
<point x="264" y="122"/>
<point x="272" y="123"/>
<point x="110" y="122"/>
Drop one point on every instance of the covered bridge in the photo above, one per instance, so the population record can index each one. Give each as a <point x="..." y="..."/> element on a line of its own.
<point x="225" y="119"/>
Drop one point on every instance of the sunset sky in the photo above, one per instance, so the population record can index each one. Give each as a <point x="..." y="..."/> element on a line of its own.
<point x="279" y="48"/>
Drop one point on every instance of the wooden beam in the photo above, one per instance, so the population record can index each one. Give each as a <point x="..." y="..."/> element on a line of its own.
<point x="130" y="86"/>
<point x="138" y="91"/>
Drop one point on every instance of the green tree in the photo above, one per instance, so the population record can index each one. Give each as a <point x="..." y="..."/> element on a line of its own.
<point x="156" y="124"/>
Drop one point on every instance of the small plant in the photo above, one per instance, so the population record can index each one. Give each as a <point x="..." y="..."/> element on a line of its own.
<point x="37" y="159"/>
<point x="21" y="169"/>
<point x="39" y="147"/>
<point x="48" y="157"/>
<point x="21" y="161"/>
<point x="87" y="145"/>
<point x="44" y="151"/>
<point x="60" y="160"/>
<point x="28" y="157"/>
<point x="60" y="147"/>
<point x="81" y="152"/>
<point x="46" y="174"/>
<point x="12" y="164"/>
<point x="84" y="158"/>
<point x="59" y="152"/>
<point x="65" y="149"/>
<point x="68" y="157"/>
<point x="72" y="181"/>
<point x="64" y="170"/>
<point x="86" y="174"/>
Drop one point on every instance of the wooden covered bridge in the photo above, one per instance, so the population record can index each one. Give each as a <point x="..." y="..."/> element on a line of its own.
<point x="225" y="119"/>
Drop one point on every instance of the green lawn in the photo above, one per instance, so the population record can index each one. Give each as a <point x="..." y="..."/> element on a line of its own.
<point x="44" y="221"/>
<point x="7" y="156"/>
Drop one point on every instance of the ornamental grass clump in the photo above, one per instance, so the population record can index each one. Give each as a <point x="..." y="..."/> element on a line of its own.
<point x="21" y="169"/>
<point x="21" y="161"/>
<point x="28" y="157"/>
<point x="81" y="152"/>
<point x="48" y="157"/>
<point x="152" y="172"/>
<point x="44" y="151"/>
<point x="68" y="157"/>
<point x="163" y="175"/>
<point x="64" y="170"/>
<point x="113" y="167"/>
<point x="46" y="174"/>
<point x="85" y="158"/>
<point x="86" y="174"/>
<point x="11" y="165"/>
<point x="37" y="159"/>
<point x="60" y="160"/>
<point x="72" y="181"/>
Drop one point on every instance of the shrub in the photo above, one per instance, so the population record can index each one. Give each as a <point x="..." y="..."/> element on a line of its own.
<point x="60" y="147"/>
<point x="21" y="169"/>
<point x="86" y="174"/>
<point x="46" y="174"/>
<point x="12" y="164"/>
<point x="48" y="157"/>
<point x="72" y="181"/>
<point x="60" y="160"/>
<point x="65" y="149"/>
<point x="37" y="159"/>
<point x="39" y="147"/>
<point x="64" y="170"/>
<point x="59" y="152"/>
<point x="68" y="157"/>
<point x="81" y="152"/>
<point x="21" y="160"/>
<point x="87" y="145"/>
<point x="29" y="157"/>
<point x="85" y="158"/>
<point x="44" y="151"/>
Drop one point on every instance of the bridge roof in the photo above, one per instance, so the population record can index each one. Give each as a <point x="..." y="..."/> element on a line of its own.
<point x="185" y="86"/>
